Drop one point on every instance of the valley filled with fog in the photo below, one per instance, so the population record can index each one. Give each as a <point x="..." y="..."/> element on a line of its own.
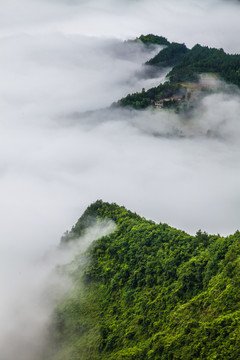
<point x="63" y="63"/>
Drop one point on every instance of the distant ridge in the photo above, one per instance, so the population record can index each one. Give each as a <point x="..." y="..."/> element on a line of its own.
<point x="187" y="66"/>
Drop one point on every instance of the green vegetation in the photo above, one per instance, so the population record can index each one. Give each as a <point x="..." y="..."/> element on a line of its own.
<point x="201" y="59"/>
<point x="143" y="99"/>
<point x="170" y="55"/>
<point x="151" y="39"/>
<point x="150" y="291"/>
<point x="187" y="65"/>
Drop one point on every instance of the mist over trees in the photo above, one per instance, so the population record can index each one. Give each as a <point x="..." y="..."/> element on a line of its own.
<point x="187" y="66"/>
<point x="150" y="292"/>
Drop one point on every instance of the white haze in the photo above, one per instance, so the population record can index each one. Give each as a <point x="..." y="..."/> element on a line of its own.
<point x="26" y="318"/>
<point x="60" y="58"/>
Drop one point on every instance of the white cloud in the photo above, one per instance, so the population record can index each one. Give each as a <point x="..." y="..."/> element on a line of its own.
<point x="214" y="23"/>
<point x="29" y="305"/>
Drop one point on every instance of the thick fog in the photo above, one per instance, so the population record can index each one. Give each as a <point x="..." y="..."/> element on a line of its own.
<point x="60" y="59"/>
<point x="210" y="22"/>
<point x="24" y="325"/>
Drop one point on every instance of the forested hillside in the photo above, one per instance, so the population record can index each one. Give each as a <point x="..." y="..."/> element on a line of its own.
<point x="202" y="59"/>
<point x="149" y="291"/>
<point x="187" y="65"/>
<point x="170" y="55"/>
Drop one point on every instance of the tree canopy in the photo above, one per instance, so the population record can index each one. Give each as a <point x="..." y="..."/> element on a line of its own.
<point x="150" y="291"/>
<point x="187" y="65"/>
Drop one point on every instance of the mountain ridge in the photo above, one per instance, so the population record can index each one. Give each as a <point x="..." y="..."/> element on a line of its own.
<point x="150" y="291"/>
<point x="187" y="66"/>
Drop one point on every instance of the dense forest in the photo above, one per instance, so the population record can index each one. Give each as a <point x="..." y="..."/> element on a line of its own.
<point x="202" y="59"/>
<point x="170" y="55"/>
<point x="149" y="291"/>
<point x="144" y="98"/>
<point x="187" y="65"/>
<point x="151" y="39"/>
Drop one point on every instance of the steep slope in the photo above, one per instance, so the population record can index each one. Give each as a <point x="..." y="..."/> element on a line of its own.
<point x="169" y="56"/>
<point x="202" y="59"/>
<point x="150" y="291"/>
<point x="187" y="66"/>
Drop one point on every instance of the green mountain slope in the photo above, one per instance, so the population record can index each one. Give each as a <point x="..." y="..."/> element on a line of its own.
<point x="187" y="65"/>
<point x="149" y="291"/>
<point x="201" y="59"/>
<point x="169" y="56"/>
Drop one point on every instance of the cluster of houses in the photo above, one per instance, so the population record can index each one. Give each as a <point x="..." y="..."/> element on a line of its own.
<point x="192" y="91"/>
<point x="161" y="103"/>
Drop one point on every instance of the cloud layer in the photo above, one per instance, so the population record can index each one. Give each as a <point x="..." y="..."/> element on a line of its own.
<point x="214" y="23"/>
<point x="26" y="319"/>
